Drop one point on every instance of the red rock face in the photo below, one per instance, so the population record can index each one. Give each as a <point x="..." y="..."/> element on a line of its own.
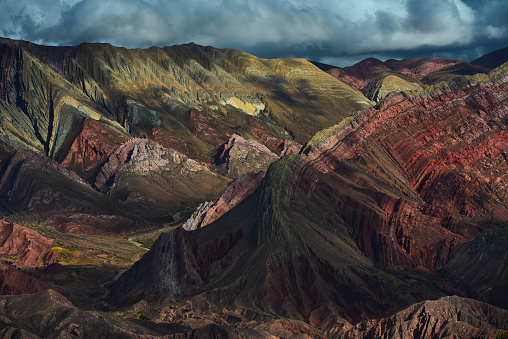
<point x="13" y="282"/>
<point x="361" y="74"/>
<point x="24" y="246"/>
<point x="209" y="129"/>
<point x="36" y="183"/>
<point x="91" y="148"/>
<point x="418" y="174"/>
<point x="418" y="68"/>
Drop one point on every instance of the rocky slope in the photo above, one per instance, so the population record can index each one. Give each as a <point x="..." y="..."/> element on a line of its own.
<point x="448" y="317"/>
<point x="196" y="96"/>
<point x="24" y="246"/>
<point x="143" y="172"/>
<point x="80" y="106"/>
<point x="49" y="313"/>
<point x="239" y="156"/>
<point x="400" y="185"/>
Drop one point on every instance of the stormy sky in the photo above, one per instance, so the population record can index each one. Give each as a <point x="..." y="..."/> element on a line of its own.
<point x="338" y="32"/>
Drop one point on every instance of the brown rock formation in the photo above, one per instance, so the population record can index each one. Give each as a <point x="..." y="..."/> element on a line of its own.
<point x="239" y="156"/>
<point x="232" y="195"/>
<point x="32" y="182"/>
<point x="50" y="313"/>
<point x="24" y="246"/>
<point x="428" y="70"/>
<point x="448" y="317"/>
<point x="481" y="267"/>
<point x="415" y="170"/>
<point x="56" y="272"/>
<point x="198" y="96"/>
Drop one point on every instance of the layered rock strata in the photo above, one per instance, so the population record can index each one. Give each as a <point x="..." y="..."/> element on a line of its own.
<point x="24" y="246"/>
<point x="401" y="184"/>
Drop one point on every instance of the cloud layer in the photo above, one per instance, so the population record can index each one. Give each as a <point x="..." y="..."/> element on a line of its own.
<point x="322" y="30"/>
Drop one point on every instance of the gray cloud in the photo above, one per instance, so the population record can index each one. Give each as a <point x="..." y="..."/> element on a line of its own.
<point x="322" y="30"/>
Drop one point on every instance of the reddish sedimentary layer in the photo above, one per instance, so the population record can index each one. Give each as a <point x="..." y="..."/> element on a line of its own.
<point x="90" y="224"/>
<point x="418" y="174"/>
<point x="91" y="147"/>
<point x="361" y="74"/>
<point x="24" y="246"/>
<point x="208" y="128"/>
<point x="34" y="182"/>
<point x="13" y="282"/>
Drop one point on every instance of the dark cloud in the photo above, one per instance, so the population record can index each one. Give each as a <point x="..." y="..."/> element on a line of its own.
<point x="337" y="32"/>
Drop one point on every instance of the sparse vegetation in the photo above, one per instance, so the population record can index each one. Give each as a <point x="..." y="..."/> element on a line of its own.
<point x="502" y="336"/>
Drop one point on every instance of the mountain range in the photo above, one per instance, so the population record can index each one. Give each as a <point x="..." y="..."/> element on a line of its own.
<point x="195" y="192"/>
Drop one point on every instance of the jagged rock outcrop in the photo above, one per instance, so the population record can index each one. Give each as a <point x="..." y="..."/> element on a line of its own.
<point x="448" y="317"/>
<point x="48" y="313"/>
<point x="402" y="184"/>
<point x="24" y="246"/>
<point x="239" y="156"/>
<point x="232" y="195"/>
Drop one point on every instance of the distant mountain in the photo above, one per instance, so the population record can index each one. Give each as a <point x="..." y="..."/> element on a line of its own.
<point x="372" y="73"/>
<point x="492" y="59"/>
